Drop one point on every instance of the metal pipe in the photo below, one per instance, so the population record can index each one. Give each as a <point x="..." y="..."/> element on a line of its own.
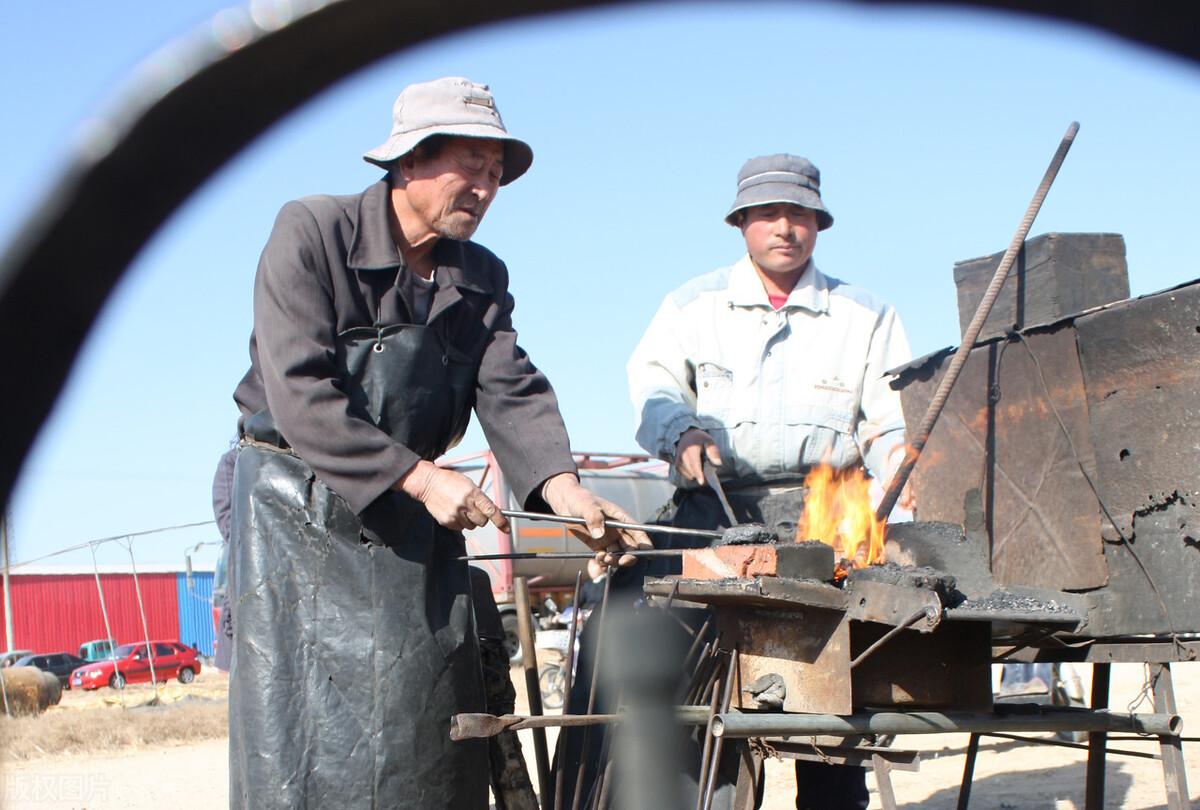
<point x="637" y="527"/>
<point x="768" y="725"/>
<point x="913" y="451"/>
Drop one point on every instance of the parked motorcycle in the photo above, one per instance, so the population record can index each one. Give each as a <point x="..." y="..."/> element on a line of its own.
<point x="552" y="675"/>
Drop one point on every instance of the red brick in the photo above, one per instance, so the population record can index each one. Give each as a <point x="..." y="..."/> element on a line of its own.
<point x="726" y="562"/>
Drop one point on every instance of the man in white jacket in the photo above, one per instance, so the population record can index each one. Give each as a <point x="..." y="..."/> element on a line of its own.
<point x="766" y="369"/>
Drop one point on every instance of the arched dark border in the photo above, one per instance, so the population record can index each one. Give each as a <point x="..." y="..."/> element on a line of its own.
<point x="148" y="155"/>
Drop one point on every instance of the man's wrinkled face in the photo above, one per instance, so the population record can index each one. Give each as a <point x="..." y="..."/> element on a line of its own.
<point x="780" y="237"/>
<point x="452" y="191"/>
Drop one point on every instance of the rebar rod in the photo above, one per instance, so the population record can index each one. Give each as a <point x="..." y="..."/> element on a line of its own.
<point x="765" y="725"/>
<point x="715" y="708"/>
<point x="928" y="611"/>
<point x="567" y="685"/>
<point x="700" y="676"/>
<point x="601" y="634"/>
<point x="715" y="763"/>
<point x="1122" y="752"/>
<point x="697" y="642"/>
<point x="913" y="450"/>
<point x="686" y="695"/>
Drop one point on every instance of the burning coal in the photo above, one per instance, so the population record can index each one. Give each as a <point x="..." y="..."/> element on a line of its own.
<point x="838" y="512"/>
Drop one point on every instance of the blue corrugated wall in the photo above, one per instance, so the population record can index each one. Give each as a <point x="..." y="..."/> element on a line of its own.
<point x="195" y="611"/>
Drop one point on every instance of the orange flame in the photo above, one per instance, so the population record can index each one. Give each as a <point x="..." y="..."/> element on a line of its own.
<point x="837" y="511"/>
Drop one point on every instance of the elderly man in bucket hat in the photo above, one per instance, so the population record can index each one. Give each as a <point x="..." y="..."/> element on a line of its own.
<point x="765" y="369"/>
<point x="377" y="328"/>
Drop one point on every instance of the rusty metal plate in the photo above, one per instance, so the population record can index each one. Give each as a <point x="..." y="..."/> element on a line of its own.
<point x="1042" y="515"/>
<point x="809" y="650"/>
<point x="1141" y="361"/>
<point x="1167" y="544"/>
<point x="950" y="667"/>
<point x="952" y="461"/>
<point x="892" y="605"/>
<point x="1046" y="524"/>
<point x="758" y="592"/>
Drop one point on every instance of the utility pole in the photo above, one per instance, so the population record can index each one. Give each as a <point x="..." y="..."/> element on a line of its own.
<point x="8" y="625"/>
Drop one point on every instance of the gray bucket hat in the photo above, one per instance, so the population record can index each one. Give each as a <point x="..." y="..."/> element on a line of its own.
<point x="449" y="106"/>
<point x="780" y="179"/>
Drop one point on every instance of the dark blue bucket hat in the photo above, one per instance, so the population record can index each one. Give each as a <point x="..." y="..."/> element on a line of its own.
<point x="780" y="179"/>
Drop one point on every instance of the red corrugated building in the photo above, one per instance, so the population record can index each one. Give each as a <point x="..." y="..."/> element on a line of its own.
<point x="56" y="609"/>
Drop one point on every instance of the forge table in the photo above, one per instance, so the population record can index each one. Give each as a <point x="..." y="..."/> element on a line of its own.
<point x="920" y="668"/>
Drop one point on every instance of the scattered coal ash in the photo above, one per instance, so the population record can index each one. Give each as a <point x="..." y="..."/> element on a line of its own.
<point x="1002" y="601"/>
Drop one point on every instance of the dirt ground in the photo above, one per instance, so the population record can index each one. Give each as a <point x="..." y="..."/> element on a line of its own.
<point x="1009" y="775"/>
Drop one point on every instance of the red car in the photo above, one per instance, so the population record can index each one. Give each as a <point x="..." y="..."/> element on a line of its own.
<point x="130" y="663"/>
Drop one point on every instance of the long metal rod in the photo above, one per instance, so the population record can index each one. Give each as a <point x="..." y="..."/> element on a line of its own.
<point x="715" y="763"/>
<point x="927" y="611"/>
<point x="571" y="555"/>
<point x="569" y="683"/>
<point x="1123" y="752"/>
<point x="765" y="725"/>
<point x="913" y="451"/>
<point x="637" y="527"/>
<point x="964" y="788"/>
<point x="715" y="708"/>
<point x="601" y="637"/>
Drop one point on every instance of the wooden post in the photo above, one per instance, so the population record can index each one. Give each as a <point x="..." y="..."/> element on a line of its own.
<point x="529" y="662"/>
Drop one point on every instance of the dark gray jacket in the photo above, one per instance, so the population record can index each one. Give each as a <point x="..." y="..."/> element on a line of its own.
<point x="331" y="265"/>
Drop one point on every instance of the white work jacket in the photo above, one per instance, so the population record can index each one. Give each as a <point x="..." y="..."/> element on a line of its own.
<point x="778" y="390"/>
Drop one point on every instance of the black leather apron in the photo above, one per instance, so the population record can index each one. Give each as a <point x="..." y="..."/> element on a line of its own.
<point x="354" y="638"/>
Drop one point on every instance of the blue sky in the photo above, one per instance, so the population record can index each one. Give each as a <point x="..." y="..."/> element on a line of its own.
<point x="932" y="128"/>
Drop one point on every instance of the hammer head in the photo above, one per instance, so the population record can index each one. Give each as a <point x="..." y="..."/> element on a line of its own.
<point x="468" y="726"/>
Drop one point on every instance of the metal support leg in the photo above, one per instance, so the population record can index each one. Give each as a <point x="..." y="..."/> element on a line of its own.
<point x="964" y="790"/>
<point x="1097" y="741"/>
<point x="1170" y="748"/>
<point x="750" y="775"/>
<point x="883" y="781"/>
